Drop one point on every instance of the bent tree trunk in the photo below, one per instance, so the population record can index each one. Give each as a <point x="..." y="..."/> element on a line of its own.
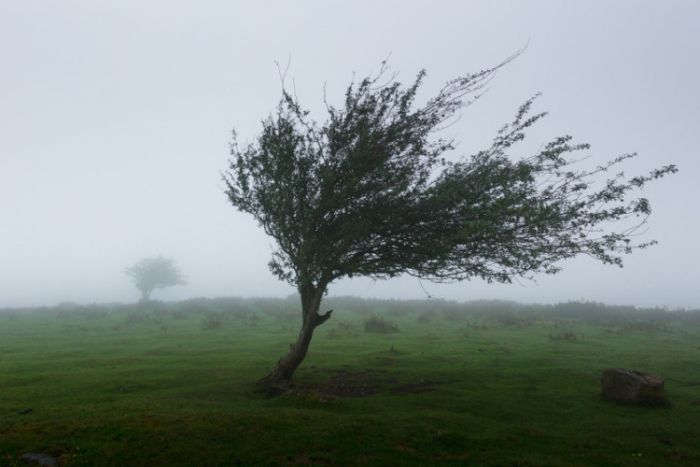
<point x="280" y="378"/>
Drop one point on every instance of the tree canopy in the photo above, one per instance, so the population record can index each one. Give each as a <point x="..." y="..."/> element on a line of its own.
<point x="149" y="274"/>
<point x="372" y="191"/>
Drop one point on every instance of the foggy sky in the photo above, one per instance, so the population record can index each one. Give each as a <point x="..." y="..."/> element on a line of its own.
<point x="115" y="120"/>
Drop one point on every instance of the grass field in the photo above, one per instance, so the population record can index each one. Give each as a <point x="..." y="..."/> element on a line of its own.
<point x="482" y="383"/>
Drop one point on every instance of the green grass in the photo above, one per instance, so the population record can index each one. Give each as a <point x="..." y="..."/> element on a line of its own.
<point x="476" y="384"/>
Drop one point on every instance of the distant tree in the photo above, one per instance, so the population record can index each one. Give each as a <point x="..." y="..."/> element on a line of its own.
<point x="154" y="273"/>
<point x="369" y="193"/>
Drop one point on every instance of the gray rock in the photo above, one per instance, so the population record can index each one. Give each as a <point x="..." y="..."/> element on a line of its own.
<point x="36" y="458"/>
<point x="633" y="387"/>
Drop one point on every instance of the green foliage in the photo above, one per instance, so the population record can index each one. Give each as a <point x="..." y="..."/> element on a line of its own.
<point x="380" y="325"/>
<point x="369" y="192"/>
<point x="154" y="273"/>
<point x="213" y="321"/>
<point x="343" y="329"/>
<point x="565" y="336"/>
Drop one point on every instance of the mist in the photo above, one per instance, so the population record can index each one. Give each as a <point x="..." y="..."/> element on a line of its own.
<point x="115" y="121"/>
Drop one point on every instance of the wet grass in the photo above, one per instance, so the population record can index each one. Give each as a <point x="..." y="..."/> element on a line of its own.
<point x="478" y="384"/>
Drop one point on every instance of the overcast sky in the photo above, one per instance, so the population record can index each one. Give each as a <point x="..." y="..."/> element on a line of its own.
<point x="115" y="120"/>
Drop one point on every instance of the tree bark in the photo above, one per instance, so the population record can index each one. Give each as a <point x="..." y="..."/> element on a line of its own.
<point x="280" y="378"/>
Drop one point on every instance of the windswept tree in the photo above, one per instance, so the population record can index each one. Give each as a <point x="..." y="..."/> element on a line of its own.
<point x="369" y="192"/>
<point x="154" y="273"/>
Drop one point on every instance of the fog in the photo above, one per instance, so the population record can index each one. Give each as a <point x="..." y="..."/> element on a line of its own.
<point x="115" y="120"/>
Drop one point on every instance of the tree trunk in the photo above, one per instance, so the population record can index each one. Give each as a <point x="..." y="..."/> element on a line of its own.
<point x="280" y="377"/>
<point x="145" y="295"/>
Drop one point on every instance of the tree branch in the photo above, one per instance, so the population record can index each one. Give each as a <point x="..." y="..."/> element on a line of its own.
<point x="323" y="318"/>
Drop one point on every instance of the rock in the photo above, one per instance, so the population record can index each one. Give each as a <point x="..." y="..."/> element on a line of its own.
<point x="634" y="387"/>
<point x="35" y="458"/>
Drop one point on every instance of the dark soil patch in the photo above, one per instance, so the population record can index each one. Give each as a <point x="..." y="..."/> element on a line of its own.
<point x="346" y="383"/>
<point x="349" y="383"/>
<point x="415" y="388"/>
<point x="424" y="385"/>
